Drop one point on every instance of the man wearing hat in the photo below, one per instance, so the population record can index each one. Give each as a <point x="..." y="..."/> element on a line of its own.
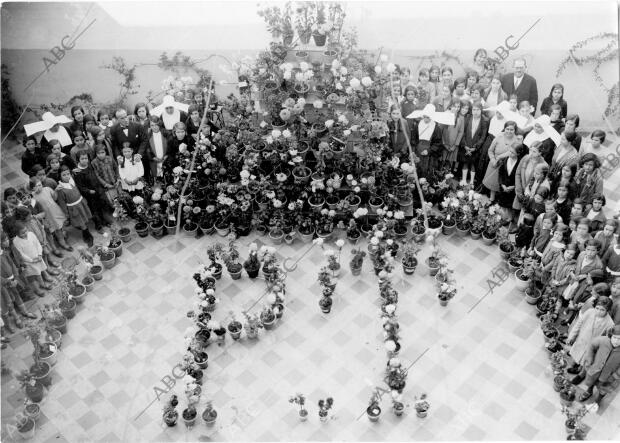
<point x="602" y="361"/>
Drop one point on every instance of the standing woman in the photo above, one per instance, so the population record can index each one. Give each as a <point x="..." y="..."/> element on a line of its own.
<point x="564" y="155"/>
<point x="433" y="76"/>
<point x="556" y="97"/>
<point x="141" y="115"/>
<point x="447" y="78"/>
<point x="589" y="178"/>
<point x="33" y="155"/>
<point x="77" y="125"/>
<point x="443" y="100"/>
<point x="494" y="95"/>
<point x="451" y="137"/>
<point x="399" y="133"/>
<point x="507" y="173"/>
<point x="480" y="62"/>
<point x="474" y="134"/>
<point x="193" y="124"/>
<point x="73" y="205"/>
<point x="54" y="217"/>
<point x="498" y="150"/>
<point x="157" y="151"/>
<point x="525" y="171"/>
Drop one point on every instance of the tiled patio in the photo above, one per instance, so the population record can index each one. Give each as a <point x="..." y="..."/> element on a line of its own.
<point x="481" y="362"/>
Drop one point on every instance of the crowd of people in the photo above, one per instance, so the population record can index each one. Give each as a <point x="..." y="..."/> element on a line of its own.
<point x="482" y="126"/>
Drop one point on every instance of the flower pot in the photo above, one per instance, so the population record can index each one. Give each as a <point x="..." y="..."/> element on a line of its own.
<point x="488" y="239"/>
<point x="170" y="418"/>
<point x="319" y="39"/>
<point x="190" y="229"/>
<point x="475" y="234"/>
<point x="432" y="268"/>
<point x="521" y="284"/>
<point x="207" y="228"/>
<point x="202" y="337"/>
<point x="532" y="299"/>
<point x="410" y="267"/>
<point x="49" y="353"/>
<point x="354" y="203"/>
<point x="32" y="411"/>
<point x="419" y="237"/>
<point x="222" y="230"/>
<point x="316" y="204"/>
<point x="279" y="311"/>
<point x="356" y="271"/>
<point x="276" y="237"/>
<point x="326" y="305"/>
<point x="189" y="417"/>
<point x="373" y="413"/>
<point x="125" y="235"/>
<point x="421" y="414"/>
<point x="443" y="302"/>
<point x="171" y="227"/>
<point x="68" y="309"/>
<point x="235" y="273"/>
<point x="330" y="55"/>
<point x="142" y="229"/>
<point x="325" y="235"/>
<point x="570" y="427"/>
<point x="505" y="250"/>
<point x="301" y="174"/>
<point x="306" y="238"/>
<point x="448" y="227"/>
<point x="96" y="272"/>
<point x="26" y="429"/>
<point x="462" y="231"/>
<point x="116" y="247"/>
<point x="41" y="372"/>
<point x="268" y="325"/>
<point x="201" y="359"/>
<point x="252" y="272"/>
<point x="209" y="416"/>
<point x="55" y="336"/>
<point x="89" y="283"/>
<point x="336" y="271"/>
<point x="234" y="329"/>
<point x="303" y="415"/>
<point x="157" y="229"/>
<point x="78" y="293"/>
<point x="405" y="204"/>
<point x="398" y="409"/>
<point x="108" y="259"/>
<point x="514" y="265"/>
<point x="289" y="239"/>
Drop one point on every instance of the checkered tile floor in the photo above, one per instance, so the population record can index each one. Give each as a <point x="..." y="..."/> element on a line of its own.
<point x="482" y="363"/>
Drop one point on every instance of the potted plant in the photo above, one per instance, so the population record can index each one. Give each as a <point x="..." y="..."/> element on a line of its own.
<point x="106" y="255"/>
<point x="32" y="410"/>
<point x="326" y="304"/>
<point x="493" y="223"/>
<point x="304" y="19"/>
<point x="506" y="247"/>
<point x="421" y="406"/>
<point x="25" y="426"/>
<point x="66" y="303"/>
<point x="170" y="415"/>
<point x="213" y="251"/>
<point x="433" y="260"/>
<point x="34" y="390"/>
<point x="373" y="411"/>
<point x="409" y="259"/>
<point x="252" y="264"/>
<point x="446" y="292"/>
<point x="92" y="263"/>
<point x="53" y="318"/>
<point x="120" y="217"/>
<point x="231" y="258"/>
<point x="532" y="293"/>
<point x="324" y="407"/>
<point x="357" y="261"/>
<point x="252" y="324"/>
<point x="567" y="394"/>
<point x="397" y="403"/>
<point x="209" y="415"/>
<point x="305" y="229"/>
<point x="268" y="317"/>
<point x="234" y="327"/>
<point x="319" y="28"/>
<point x="300" y="399"/>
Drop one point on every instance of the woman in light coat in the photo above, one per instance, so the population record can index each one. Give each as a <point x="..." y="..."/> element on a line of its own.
<point x="593" y="323"/>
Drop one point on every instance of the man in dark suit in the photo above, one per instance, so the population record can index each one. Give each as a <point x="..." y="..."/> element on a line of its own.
<point x="520" y="83"/>
<point x="134" y="133"/>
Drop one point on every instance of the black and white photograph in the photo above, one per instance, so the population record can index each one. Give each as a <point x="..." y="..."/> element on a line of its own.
<point x="305" y="221"/>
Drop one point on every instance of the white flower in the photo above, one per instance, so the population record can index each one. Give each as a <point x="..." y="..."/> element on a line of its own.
<point x="379" y="234"/>
<point x="384" y="57"/>
<point x="276" y="133"/>
<point x="366" y="81"/>
<point x="389" y="241"/>
<point x="344" y="71"/>
<point x="271" y="298"/>
<point x="354" y="83"/>
<point x="378" y="69"/>
<point x="340" y="243"/>
<point x="304" y="66"/>
<point x="286" y="133"/>
<point x="390" y="214"/>
<point x="332" y="213"/>
<point x="374" y="241"/>
<point x="346" y="132"/>
<point x="460" y="194"/>
<point x="324" y="211"/>
<point x="390" y="68"/>
<point x="349" y="90"/>
<point x="269" y="139"/>
<point x="390" y="346"/>
<point x="399" y="215"/>
<point x="328" y="253"/>
<point x="244" y="173"/>
<point x="253" y="247"/>
<point x="339" y="86"/>
<point x="335" y="64"/>
<point x="380" y="211"/>
<point x="329" y="123"/>
<point x="357" y="189"/>
<point x="263" y="124"/>
<point x="318" y="241"/>
<point x="287" y="75"/>
<point x="390" y="308"/>
<point x="318" y="104"/>
<point x="301" y="101"/>
<point x="210" y="291"/>
<point x="138" y="200"/>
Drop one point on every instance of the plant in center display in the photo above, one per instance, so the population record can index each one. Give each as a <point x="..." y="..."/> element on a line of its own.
<point x="300" y="400"/>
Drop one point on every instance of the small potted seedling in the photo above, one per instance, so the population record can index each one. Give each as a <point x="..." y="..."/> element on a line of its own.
<point x="324" y="407"/>
<point x="300" y="400"/>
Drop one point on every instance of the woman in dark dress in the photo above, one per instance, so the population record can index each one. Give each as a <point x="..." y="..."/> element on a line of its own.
<point x="33" y="155"/>
<point x="474" y="134"/>
<point x="507" y="173"/>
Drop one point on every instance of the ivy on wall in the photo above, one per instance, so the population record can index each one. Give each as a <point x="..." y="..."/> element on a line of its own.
<point x="609" y="52"/>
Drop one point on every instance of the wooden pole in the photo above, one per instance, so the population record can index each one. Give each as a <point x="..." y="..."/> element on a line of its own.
<point x="411" y="157"/>
<point x="191" y="166"/>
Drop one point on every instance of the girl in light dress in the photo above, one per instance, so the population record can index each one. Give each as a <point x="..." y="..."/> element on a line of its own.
<point x="30" y="254"/>
<point x="131" y="170"/>
<point x="54" y="217"/>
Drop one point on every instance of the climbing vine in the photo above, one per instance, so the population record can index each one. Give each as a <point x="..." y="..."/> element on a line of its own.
<point x="608" y="53"/>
